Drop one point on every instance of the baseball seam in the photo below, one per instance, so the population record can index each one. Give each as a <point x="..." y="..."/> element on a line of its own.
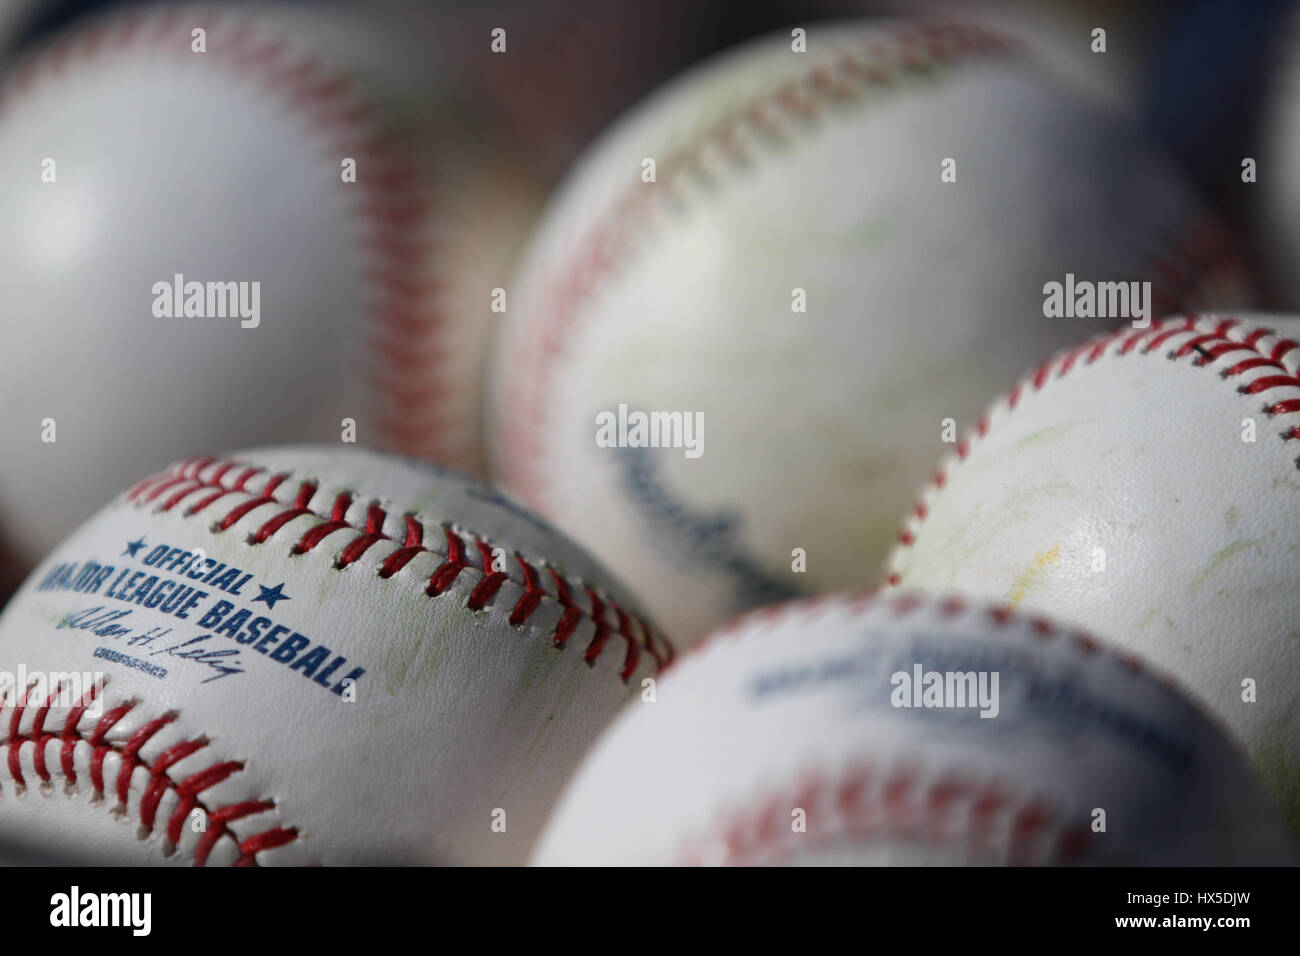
<point x="188" y="790"/>
<point x="865" y="803"/>
<point x="211" y="479"/>
<point x="392" y="206"/>
<point x="903" y="809"/>
<point x="902" y="605"/>
<point x="748" y="131"/>
<point x="199" y="484"/>
<point x="1209" y="340"/>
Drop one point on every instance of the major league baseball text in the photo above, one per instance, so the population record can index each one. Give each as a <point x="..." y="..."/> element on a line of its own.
<point x="310" y="655"/>
<point x="430" y="613"/>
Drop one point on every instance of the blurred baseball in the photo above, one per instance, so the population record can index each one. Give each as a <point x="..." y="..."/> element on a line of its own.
<point x="307" y="655"/>
<point x="1145" y="485"/>
<point x="911" y="731"/>
<point x="234" y="223"/>
<point x="840" y="249"/>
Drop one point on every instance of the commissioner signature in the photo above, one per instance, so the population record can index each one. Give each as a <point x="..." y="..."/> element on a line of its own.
<point x="103" y="622"/>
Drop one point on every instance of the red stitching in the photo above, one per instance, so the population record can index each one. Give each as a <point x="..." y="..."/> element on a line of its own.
<point x="1212" y="340"/>
<point x="880" y="62"/>
<point x="451" y="566"/>
<point x="393" y="213"/>
<point x="905" y="603"/>
<point x="188" y="790"/>
<point x="486" y="589"/>
<point x="902" y="810"/>
<point x="208" y="478"/>
<point x="532" y="596"/>
<point x="211" y="479"/>
<point x="569" y="620"/>
<point x="774" y="116"/>
<point x="862" y="802"/>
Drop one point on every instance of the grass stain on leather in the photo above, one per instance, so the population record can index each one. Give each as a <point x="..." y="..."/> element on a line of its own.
<point x="1034" y="573"/>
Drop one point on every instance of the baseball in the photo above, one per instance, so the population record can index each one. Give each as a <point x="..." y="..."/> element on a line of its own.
<point x="306" y="655"/>
<point x="743" y="324"/>
<point x="911" y="730"/>
<point x="1144" y="484"/>
<point x="229" y="225"/>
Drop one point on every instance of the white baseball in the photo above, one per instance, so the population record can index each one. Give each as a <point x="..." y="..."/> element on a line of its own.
<point x="821" y="171"/>
<point x="227" y="166"/>
<point x="781" y="740"/>
<point x="1146" y="485"/>
<point x="308" y="655"/>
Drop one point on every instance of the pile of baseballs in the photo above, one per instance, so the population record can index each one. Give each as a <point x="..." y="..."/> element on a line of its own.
<point x="864" y="460"/>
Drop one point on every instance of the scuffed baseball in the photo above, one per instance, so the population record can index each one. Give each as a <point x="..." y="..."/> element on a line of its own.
<point x="307" y="656"/>
<point x="1146" y="485"/>
<point x="817" y="172"/>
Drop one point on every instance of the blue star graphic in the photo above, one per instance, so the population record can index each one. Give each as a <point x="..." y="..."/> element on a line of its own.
<point x="133" y="546"/>
<point x="271" y="595"/>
